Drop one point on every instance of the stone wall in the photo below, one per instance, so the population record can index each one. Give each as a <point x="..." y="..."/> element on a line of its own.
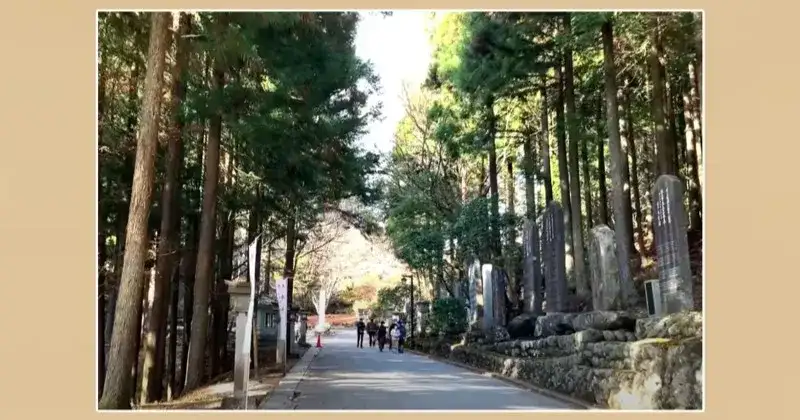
<point x="610" y="359"/>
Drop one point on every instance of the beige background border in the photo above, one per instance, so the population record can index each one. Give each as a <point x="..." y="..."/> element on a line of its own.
<point x="48" y="199"/>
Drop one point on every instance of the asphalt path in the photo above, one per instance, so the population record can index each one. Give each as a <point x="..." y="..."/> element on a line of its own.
<point x="344" y="377"/>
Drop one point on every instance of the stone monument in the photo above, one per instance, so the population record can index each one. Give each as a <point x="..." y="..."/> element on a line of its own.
<point x="494" y="297"/>
<point x="283" y="317"/>
<point x="488" y="298"/>
<point x="607" y="291"/>
<point x="672" y="245"/>
<point x="475" y="293"/>
<point x="302" y="330"/>
<point x="421" y="316"/>
<point x="554" y="258"/>
<point x="532" y="269"/>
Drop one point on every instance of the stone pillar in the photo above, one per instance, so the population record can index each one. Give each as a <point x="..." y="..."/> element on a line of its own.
<point x="672" y="245"/>
<point x="488" y="297"/>
<point x="421" y="316"/>
<point x="499" y="286"/>
<point x="240" y="298"/>
<point x="303" y="330"/>
<point x="532" y="269"/>
<point x="607" y="291"/>
<point x="494" y="297"/>
<point x="554" y="258"/>
<point x="283" y="316"/>
<point x="475" y="295"/>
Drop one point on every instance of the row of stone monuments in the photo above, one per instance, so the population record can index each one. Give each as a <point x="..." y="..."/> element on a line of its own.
<point x="544" y="269"/>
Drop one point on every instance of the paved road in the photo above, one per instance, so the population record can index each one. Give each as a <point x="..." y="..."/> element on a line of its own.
<point x="344" y="377"/>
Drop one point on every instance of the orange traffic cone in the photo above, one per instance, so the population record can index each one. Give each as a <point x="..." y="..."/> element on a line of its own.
<point x="319" y="341"/>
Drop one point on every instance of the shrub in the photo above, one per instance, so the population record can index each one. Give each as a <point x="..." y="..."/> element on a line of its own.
<point x="448" y="317"/>
<point x="390" y="299"/>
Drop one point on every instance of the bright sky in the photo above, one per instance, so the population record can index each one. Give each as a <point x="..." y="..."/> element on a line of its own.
<point x="398" y="48"/>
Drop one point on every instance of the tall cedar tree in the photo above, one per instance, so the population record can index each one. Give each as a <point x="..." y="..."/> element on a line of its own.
<point x="117" y="388"/>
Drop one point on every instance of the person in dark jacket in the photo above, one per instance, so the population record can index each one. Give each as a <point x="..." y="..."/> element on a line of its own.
<point x="381" y="335"/>
<point x="360" y="327"/>
<point x="401" y="335"/>
<point x="372" y="329"/>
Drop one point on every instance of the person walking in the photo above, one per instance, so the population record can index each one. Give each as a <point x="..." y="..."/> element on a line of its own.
<point x="372" y="329"/>
<point x="381" y="335"/>
<point x="390" y="336"/>
<point x="360" y="333"/>
<point x="401" y="336"/>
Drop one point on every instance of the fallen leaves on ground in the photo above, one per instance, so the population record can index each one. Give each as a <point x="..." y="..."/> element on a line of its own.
<point x="210" y="397"/>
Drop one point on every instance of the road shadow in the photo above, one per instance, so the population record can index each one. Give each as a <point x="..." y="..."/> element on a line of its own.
<point x="344" y="377"/>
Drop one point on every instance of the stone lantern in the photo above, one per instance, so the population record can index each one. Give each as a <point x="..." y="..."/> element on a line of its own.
<point x="241" y="297"/>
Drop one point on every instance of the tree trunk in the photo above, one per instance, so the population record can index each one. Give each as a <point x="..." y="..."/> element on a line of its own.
<point x="680" y="125"/>
<point x="601" y="169"/>
<point x="695" y="194"/>
<point x="288" y="266"/>
<point x="511" y="261"/>
<point x="172" y="343"/>
<point x="268" y="271"/>
<point x="482" y="178"/>
<point x="124" y="203"/>
<point x="133" y="97"/>
<point x="188" y="268"/>
<point x="116" y="390"/>
<point x="697" y="102"/>
<point x="665" y="162"/>
<point x="102" y="278"/>
<point x="101" y="313"/>
<point x="205" y="250"/>
<point x="253" y="230"/>
<point x="493" y="187"/>
<point x="464" y="178"/>
<point x="225" y="259"/>
<point x="626" y="140"/>
<point x="698" y="79"/>
<point x="529" y="166"/>
<point x="459" y="274"/>
<point x="619" y="168"/>
<point x="147" y="293"/>
<point x="563" y="174"/>
<point x="587" y="182"/>
<point x="649" y="169"/>
<point x="694" y="100"/>
<point x="669" y="114"/>
<point x="545" y="147"/>
<point x="151" y="387"/>
<point x="581" y="279"/>
<point x="637" y="199"/>
<point x="228" y="268"/>
<point x="224" y="300"/>
<point x="112" y="284"/>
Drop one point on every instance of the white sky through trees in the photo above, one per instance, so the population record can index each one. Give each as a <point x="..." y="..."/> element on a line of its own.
<point x="399" y="50"/>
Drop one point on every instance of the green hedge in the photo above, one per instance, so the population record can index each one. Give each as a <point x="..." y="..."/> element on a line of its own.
<point x="448" y="317"/>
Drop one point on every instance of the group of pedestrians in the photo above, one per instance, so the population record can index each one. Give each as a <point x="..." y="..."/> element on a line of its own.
<point x="380" y="334"/>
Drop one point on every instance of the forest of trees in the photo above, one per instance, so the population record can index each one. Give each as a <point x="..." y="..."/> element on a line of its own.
<point x="215" y="126"/>
<point x="520" y="109"/>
